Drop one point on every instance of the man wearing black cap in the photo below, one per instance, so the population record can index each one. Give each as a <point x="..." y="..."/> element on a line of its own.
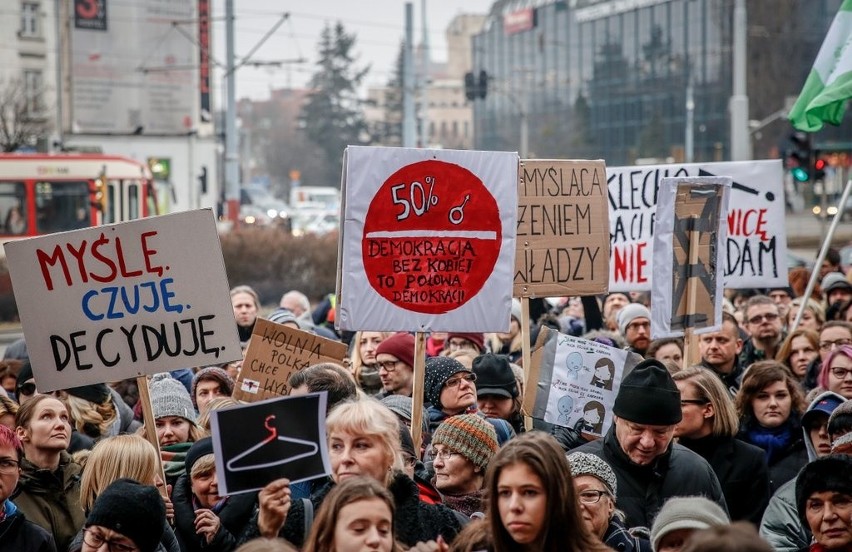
<point x="650" y="468"/>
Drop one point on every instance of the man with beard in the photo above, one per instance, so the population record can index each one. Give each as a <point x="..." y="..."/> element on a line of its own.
<point x="634" y="323"/>
<point x="764" y="323"/>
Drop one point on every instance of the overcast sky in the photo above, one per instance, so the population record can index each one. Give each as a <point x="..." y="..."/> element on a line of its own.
<point x="378" y="24"/>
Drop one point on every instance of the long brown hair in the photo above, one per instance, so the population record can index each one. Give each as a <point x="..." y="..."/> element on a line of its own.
<point x="760" y="375"/>
<point x="564" y="530"/>
<point x="348" y="492"/>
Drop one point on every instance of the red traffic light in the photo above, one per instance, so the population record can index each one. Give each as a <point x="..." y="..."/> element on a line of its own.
<point x="819" y="164"/>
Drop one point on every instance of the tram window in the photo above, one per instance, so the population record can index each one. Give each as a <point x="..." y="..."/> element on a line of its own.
<point x="62" y="206"/>
<point x="133" y="207"/>
<point x="13" y="208"/>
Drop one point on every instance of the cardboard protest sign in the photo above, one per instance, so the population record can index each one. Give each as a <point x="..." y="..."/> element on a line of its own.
<point x="562" y="242"/>
<point x="576" y="382"/>
<point x="116" y="301"/>
<point x="428" y="240"/>
<point x="755" y="251"/>
<point x="277" y="351"/>
<point x="689" y="246"/>
<point x="258" y="443"/>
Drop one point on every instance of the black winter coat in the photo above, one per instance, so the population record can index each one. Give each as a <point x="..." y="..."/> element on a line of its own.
<point x="21" y="535"/>
<point x="414" y="521"/>
<point x="234" y="518"/>
<point x="742" y="472"/>
<point x="642" y="490"/>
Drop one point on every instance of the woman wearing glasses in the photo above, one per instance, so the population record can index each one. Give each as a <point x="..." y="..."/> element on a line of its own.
<point x="833" y="334"/>
<point x="450" y="389"/>
<point x="596" y="484"/>
<point x="16" y="531"/>
<point x="770" y="405"/>
<point x="462" y="446"/>
<point x="836" y="373"/>
<point x="709" y="429"/>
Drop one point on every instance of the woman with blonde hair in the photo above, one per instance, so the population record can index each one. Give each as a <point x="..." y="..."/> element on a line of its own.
<point x="8" y="410"/>
<point x="98" y="412"/>
<point x="215" y="404"/>
<point x="358" y="513"/>
<point x="362" y="360"/>
<point x="709" y="428"/>
<point x="122" y="456"/>
<point x="812" y="319"/>
<point x="363" y="440"/>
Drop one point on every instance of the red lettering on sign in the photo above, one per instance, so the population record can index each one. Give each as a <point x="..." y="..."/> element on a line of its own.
<point x="747" y="222"/>
<point x="87" y="9"/>
<point x="629" y="263"/>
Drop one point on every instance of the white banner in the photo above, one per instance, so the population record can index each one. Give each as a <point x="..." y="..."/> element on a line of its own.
<point x="756" y="247"/>
<point x="428" y="240"/>
<point x="111" y="302"/>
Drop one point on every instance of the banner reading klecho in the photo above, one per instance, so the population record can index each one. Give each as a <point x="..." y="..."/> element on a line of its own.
<point x="428" y="240"/>
<point x="117" y="301"/>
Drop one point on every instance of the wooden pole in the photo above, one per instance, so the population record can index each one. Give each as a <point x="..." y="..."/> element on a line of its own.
<point x="417" y="390"/>
<point x="526" y="349"/>
<point x="691" y="354"/>
<point x="151" y="427"/>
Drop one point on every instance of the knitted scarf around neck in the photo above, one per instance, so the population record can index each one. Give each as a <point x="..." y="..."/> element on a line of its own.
<point x="774" y="441"/>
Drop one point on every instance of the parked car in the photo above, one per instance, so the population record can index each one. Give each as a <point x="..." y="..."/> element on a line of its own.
<point x="831" y="210"/>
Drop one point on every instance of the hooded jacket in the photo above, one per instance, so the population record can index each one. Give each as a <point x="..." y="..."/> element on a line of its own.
<point x="781" y="526"/>
<point x="20" y="534"/>
<point x="51" y="499"/>
<point x="642" y="490"/>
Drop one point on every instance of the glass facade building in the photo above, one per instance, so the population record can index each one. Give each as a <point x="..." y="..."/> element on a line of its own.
<point x="609" y="78"/>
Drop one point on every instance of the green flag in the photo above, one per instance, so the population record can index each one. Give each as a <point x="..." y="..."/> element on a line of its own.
<point x="829" y="85"/>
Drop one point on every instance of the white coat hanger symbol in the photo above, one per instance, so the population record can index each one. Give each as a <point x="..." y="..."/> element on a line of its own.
<point x="273" y="436"/>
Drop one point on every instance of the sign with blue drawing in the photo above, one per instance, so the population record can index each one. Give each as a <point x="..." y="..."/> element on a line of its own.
<point x="577" y="382"/>
<point x="260" y="442"/>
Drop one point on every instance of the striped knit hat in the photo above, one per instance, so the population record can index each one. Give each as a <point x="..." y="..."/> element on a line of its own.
<point x="470" y="435"/>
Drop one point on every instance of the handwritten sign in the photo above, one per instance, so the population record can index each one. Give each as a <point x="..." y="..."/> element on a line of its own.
<point x="755" y="251"/>
<point x="563" y="229"/>
<point x="258" y="443"/>
<point x="428" y="240"/>
<point x="577" y="382"/>
<point x="690" y="236"/>
<point x="118" y="301"/>
<point x="275" y="352"/>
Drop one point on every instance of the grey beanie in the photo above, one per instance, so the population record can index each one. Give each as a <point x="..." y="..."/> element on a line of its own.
<point x="629" y="313"/>
<point x="170" y="398"/>
<point x="402" y="407"/>
<point x="686" y="512"/>
<point x="583" y="463"/>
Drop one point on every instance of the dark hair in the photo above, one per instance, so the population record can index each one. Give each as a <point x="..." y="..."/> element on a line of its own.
<point x="27" y="410"/>
<point x="737" y="537"/>
<point x="564" y="529"/>
<point x="658" y="344"/>
<point x="472" y="538"/>
<point x="832" y="256"/>
<point x="326" y="376"/>
<point x="760" y="375"/>
<point x="347" y="492"/>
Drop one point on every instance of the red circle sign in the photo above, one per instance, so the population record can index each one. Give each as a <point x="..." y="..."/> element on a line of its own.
<point x="431" y="237"/>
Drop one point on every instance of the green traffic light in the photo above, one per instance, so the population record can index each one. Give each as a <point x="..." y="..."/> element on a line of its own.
<point x="800" y="174"/>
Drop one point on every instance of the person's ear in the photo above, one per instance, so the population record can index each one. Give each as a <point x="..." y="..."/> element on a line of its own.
<point x="709" y="410"/>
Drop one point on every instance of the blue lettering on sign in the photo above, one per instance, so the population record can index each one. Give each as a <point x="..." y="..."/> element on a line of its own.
<point x="114" y="302"/>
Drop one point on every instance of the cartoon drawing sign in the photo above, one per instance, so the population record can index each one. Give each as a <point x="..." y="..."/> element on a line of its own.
<point x="755" y="251"/>
<point x="577" y="382"/>
<point x="116" y="301"/>
<point x="259" y="443"/>
<point x="428" y="239"/>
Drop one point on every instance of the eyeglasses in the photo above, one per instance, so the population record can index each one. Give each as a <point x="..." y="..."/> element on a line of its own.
<point x="639" y="326"/>
<point x="388" y="365"/>
<point x="443" y="455"/>
<point x="840" y="373"/>
<point x="7" y="465"/>
<point x="829" y="344"/>
<point x="758" y="318"/>
<point x="455" y="382"/>
<point x="684" y="402"/>
<point x="27" y="389"/>
<point x="96" y="540"/>
<point x="591" y="496"/>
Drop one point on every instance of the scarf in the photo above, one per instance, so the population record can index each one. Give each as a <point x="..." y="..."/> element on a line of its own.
<point x="174" y="458"/>
<point x="773" y="441"/>
<point x="466" y="504"/>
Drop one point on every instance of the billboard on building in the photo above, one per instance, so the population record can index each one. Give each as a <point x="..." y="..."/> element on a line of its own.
<point x="134" y="68"/>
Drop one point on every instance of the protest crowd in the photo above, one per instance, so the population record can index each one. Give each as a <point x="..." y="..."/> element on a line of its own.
<point x="746" y="450"/>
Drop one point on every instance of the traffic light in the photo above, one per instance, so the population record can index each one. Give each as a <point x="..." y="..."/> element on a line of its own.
<point x="470" y="86"/>
<point x="818" y="171"/>
<point x="483" y="84"/>
<point x="799" y="157"/>
<point x="202" y="180"/>
<point x="101" y="196"/>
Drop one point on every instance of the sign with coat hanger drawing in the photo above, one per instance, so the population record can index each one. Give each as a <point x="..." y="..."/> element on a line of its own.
<point x="260" y="442"/>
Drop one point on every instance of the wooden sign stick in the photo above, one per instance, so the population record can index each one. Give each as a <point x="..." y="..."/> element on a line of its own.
<point x="151" y="427"/>
<point x="417" y="391"/>
<point x="526" y="349"/>
<point x="690" y="341"/>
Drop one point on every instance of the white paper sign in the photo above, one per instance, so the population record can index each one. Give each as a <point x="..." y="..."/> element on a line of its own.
<point x="428" y="240"/>
<point x="755" y="250"/>
<point x="112" y="302"/>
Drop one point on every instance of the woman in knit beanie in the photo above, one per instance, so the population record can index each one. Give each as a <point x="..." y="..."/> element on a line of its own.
<point x="174" y="416"/>
<point x="462" y="446"/>
<point x="680" y="517"/>
<point x="126" y="513"/>
<point x="209" y="383"/>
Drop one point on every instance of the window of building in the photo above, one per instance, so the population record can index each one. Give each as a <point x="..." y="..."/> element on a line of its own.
<point x="30" y="20"/>
<point x="466" y="127"/>
<point x="33" y="88"/>
<point x="455" y="128"/>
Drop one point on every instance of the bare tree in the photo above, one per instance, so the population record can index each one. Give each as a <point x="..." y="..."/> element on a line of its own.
<point x="22" y="123"/>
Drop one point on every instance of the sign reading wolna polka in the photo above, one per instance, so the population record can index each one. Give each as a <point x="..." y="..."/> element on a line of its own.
<point x="428" y="239"/>
<point x="107" y="303"/>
